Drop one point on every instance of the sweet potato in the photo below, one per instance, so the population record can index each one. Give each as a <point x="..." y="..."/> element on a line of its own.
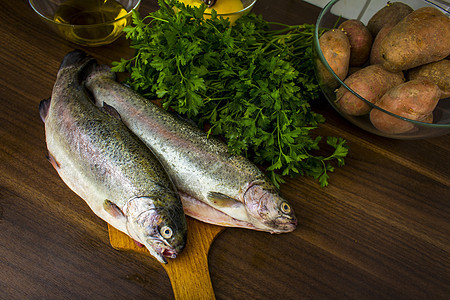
<point x="335" y="47"/>
<point x="438" y="72"/>
<point x="375" y="54"/>
<point x="419" y="38"/>
<point x="392" y="13"/>
<point x="352" y="70"/>
<point x="360" y="41"/>
<point x="415" y="100"/>
<point x="370" y="83"/>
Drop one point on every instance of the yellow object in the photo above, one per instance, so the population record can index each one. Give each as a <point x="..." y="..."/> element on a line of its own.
<point x="227" y="8"/>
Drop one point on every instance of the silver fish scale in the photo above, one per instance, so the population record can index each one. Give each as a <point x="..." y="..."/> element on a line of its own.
<point x="110" y="152"/>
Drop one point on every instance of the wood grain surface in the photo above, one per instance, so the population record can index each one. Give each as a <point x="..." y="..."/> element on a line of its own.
<point x="380" y="230"/>
<point x="189" y="272"/>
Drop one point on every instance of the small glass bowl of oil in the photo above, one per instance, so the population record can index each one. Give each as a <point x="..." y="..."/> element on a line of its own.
<point x="89" y="23"/>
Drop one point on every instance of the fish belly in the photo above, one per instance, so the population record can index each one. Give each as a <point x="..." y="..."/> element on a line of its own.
<point x="85" y="187"/>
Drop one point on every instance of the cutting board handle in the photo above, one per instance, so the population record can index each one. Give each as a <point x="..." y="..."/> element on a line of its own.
<point x="189" y="272"/>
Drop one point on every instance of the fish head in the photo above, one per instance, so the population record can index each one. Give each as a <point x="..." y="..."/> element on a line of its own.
<point x="265" y="205"/>
<point x="162" y="229"/>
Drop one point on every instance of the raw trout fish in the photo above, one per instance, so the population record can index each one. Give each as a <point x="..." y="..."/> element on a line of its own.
<point x="103" y="162"/>
<point x="215" y="186"/>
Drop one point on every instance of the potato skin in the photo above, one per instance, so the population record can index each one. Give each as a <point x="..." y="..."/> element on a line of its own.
<point x="352" y="70"/>
<point x="360" y="41"/>
<point x="419" y="38"/>
<point x="415" y="100"/>
<point x="370" y="83"/>
<point x="392" y="13"/>
<point x="375" y="52"/>
<point x="438" y="72"/>
<point x="335" y="47"/>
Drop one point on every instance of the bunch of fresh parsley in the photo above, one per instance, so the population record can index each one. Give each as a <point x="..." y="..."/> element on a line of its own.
<point x="250" y="83"/>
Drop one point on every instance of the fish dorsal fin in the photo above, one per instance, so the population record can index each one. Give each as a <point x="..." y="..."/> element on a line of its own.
<point x="112" y="209"/>
<point x="222" y="200"/>
<point x="44" y="107"/>
<point x="111" y="111"/>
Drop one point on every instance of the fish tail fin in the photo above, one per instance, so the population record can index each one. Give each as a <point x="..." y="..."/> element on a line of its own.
<point x="74" y="58"/>
<point x="98" y="71"/>
<point x="44" y="107"/>
<point x="81" y="61"/>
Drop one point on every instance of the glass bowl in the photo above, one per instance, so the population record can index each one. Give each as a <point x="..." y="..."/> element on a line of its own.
<point x="336" y="12"/>
<point x="88" y="23"/>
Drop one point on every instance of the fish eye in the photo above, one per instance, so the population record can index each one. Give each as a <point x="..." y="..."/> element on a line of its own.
<point x="166" y="232"/>
<point x="285" y="208"/>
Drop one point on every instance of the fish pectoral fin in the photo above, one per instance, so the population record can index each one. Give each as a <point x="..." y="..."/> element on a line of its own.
<point x="112" y="209"/>
<point x="53" y="161"/>
<point x="111" y="111"/>
<point x="222" y="200"/>
<point x="44" y="107"/>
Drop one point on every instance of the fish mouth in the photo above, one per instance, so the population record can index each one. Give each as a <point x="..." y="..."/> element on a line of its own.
<point x="286" y="225"/>
<point x="162" y="254"/>
<point x="160" y="250"/>
<point x="169" y="253"/>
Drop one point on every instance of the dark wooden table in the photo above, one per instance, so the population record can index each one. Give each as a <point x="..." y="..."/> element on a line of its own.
<point x="380" y="230"/>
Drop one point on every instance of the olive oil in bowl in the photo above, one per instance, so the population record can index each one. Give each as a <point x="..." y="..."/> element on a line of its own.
<point x="91" y="22"/>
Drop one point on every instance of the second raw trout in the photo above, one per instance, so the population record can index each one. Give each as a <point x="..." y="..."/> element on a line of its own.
<point x="215" y="186"/>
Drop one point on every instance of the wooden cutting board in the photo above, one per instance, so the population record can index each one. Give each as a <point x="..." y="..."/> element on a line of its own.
<point x="188" y="273"/>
